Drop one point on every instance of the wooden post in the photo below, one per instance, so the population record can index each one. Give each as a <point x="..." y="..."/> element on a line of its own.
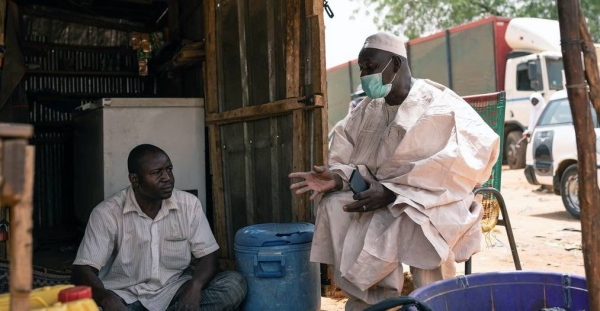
<point x="589" y="195"/>
<point x="591" y="62"/>
<point x="16" y="171"/>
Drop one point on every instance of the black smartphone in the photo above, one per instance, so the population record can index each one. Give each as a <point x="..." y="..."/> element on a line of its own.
<point x="357" y="182"/>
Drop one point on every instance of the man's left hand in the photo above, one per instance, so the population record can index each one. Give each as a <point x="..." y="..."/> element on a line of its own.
<point x="376" y="197"/>
<point x="189" y="299"/>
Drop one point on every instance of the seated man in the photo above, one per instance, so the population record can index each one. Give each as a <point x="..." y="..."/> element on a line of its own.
<point x="422" y="150"/>
<point x="138" y="244"/>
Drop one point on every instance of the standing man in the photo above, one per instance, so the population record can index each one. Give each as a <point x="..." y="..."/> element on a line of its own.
<point x="422" y="150"/>
<point x="537" y="107"/>
<point x="138" y="246"/>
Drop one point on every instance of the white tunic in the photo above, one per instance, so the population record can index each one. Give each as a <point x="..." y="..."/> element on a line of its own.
<point x="431" y="151"/>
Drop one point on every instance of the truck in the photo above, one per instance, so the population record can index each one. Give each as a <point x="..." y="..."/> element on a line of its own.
<point x="516" y="55"/>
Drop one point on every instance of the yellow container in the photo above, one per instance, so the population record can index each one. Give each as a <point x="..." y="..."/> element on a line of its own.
<point x="38" y="298"/>
<point x="77" y="305"/>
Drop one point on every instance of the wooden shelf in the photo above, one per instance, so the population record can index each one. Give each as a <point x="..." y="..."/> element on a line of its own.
<point x="61" y="124"/>
<point x="50" y="96"/>
<point x="37" y="46"/>
<point x="83" y="73"/>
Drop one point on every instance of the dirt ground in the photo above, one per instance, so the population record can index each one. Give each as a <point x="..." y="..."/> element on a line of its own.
<point x="547" y="237"/>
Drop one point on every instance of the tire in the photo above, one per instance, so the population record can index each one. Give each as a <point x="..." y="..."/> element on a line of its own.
<point x="569" y="191"/>
<point x="515" y="157"/>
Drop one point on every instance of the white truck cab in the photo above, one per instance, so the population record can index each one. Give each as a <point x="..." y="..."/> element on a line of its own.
<point x="534" y="65"/>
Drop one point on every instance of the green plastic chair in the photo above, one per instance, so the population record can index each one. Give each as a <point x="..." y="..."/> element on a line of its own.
<point x="491" y="108"/>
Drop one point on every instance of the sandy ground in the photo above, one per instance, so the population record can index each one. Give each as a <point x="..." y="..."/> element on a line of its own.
<point x="547" y="237"/>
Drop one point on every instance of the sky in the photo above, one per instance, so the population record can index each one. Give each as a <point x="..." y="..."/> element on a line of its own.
<point x="344" y="37"/>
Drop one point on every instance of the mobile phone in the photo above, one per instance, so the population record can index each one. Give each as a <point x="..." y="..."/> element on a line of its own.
<point x="357" y="182"/>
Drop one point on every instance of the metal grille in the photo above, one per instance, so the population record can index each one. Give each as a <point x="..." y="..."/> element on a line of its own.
<point x="61" y="77"/>
<point x="53" y="203"/>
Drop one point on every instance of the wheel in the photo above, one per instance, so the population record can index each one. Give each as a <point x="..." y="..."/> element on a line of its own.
<point x="569" y="190"/>
<point x="515" y="156"/>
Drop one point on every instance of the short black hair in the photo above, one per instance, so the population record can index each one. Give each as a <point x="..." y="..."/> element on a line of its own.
<point x="137" y="154"/>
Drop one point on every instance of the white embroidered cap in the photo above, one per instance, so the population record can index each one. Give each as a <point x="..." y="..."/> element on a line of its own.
<point x="387" y="42"/>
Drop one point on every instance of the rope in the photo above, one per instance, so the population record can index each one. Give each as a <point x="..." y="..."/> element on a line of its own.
<point x="576" y="86"/>
<point x="570" y="41"/>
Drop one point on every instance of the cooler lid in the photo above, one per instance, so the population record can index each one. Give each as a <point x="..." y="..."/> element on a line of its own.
<point x="275" y="234"/>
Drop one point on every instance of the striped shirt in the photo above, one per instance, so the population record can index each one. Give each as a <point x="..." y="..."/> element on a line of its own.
<point x="140" y="258"/>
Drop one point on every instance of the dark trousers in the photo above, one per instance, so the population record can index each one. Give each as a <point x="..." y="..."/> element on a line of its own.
<point x="225" y="292"/>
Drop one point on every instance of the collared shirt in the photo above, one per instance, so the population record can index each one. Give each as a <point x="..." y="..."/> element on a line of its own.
<point x="140" y="258"/>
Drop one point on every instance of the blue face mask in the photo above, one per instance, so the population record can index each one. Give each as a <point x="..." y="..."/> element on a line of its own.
<point x="373" y="84"/>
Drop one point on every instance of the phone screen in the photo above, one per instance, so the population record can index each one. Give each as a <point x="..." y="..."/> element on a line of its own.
<point x="357" y="182"/>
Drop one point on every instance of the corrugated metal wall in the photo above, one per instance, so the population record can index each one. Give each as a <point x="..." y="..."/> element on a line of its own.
<point x="68" y="66"/>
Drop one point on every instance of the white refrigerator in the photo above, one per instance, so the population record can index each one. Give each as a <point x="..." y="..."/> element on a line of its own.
<point x="107" y="130"/>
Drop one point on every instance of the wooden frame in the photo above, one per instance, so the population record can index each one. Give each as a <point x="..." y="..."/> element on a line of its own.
<point x="16" y="171"/>
<point x="305" y="96"/>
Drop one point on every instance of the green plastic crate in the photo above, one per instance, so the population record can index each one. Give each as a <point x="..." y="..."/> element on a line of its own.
<point x="491" y="108"/>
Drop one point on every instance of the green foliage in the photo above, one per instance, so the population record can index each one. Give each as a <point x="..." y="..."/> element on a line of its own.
<point x="422" y="17"/>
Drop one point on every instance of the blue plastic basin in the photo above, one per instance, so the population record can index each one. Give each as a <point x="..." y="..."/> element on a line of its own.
<point x="506" y="291"/>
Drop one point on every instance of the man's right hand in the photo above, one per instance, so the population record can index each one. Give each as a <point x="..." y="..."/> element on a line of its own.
<point x="110" y="302"/>
<point x="319" y="180"/>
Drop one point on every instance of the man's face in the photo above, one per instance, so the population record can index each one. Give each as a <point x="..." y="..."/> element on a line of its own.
<point x="155" y="177"/>
<point x="372" y="61"/>
<point x="534" y="101"/>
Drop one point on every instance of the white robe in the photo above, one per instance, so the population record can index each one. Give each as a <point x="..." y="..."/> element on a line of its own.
<point x="535" y="112"/>
<point x="431" y="151"/>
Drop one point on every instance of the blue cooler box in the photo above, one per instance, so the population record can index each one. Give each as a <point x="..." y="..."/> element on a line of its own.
<point x="274" y="259"/>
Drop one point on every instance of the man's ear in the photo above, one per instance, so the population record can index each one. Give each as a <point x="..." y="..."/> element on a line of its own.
<point x="397" y="63"/>
<point x="133" y="179"/>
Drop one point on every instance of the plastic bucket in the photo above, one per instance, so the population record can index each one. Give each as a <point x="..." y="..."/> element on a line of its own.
<point x="506" y="291"/>
<point x="275" y="260"/>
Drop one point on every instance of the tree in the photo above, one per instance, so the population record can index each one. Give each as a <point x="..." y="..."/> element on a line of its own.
<point x="418" y="18"/>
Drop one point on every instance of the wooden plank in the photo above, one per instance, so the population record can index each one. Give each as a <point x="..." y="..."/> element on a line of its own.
<point x="228" y="56"/>
<point x="299" y="164"/>
<point x="85" y="19"/>
<point x="285" y="153"/>
<point x="320" y="137"/>
<point x="220" y="221"/>
<point x="249" y="167"/>
<point x="21" y="225"/>
<point x="234" y="147"/>
<point x="245" y="90"/>
<point x="317" y="36"/>
<point x="271" y="57"/>
<point x="261" y="111"/>
<point x="210" y="76"/>
<point x="591" y="62"/>
<point x="11" y="130"/>
<point x="275" y="172"/>
<point x="292" y="49"/>
<point x="13" y="162"/>
<point x="261" y="169"/>
<point x="313" y="7"/>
